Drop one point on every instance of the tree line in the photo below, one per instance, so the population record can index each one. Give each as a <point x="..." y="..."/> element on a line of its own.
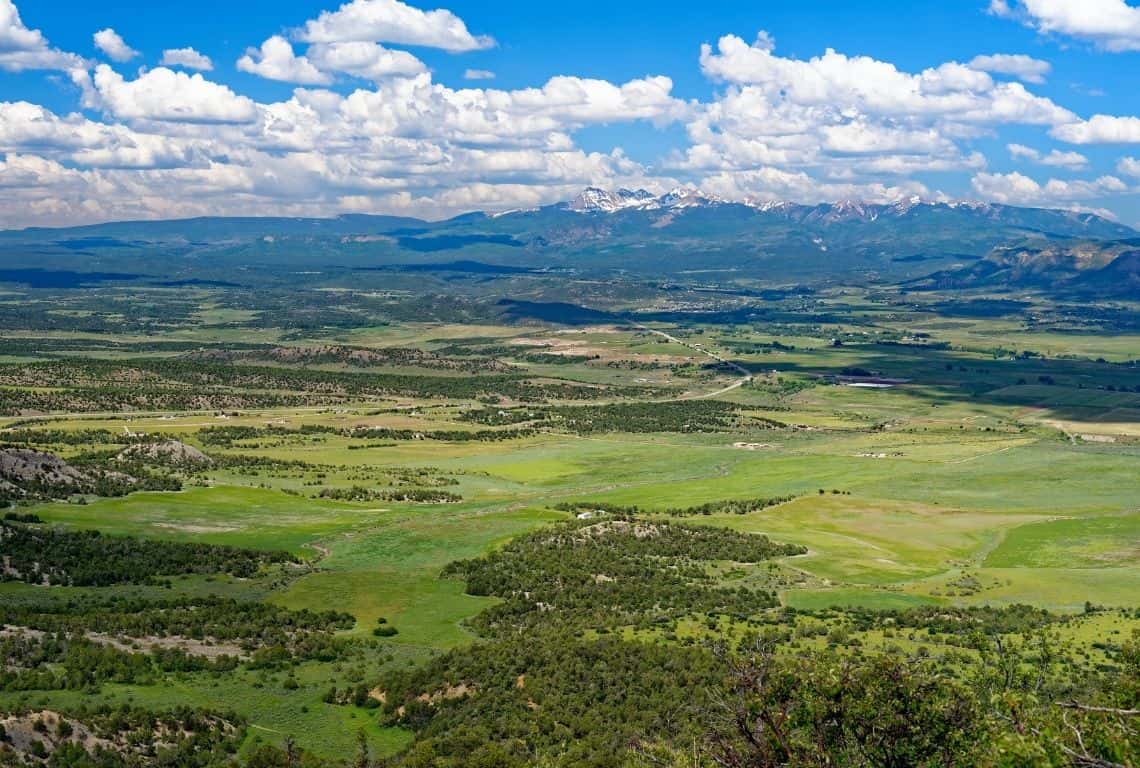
<point x="88" y="558"/>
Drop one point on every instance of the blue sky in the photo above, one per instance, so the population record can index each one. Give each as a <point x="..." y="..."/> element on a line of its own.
<point x="140" y="109"/>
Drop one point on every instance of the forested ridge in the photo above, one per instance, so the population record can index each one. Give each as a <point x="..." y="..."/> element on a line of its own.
<point x="613" y="572"/>
<point x="44" y="554"/>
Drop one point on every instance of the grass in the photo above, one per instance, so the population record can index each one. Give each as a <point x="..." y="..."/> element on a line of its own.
<point x="391" y="570"/>
<point x="960" y="477"/>
<point x="819" y="599"/>
<point x="1087" y="542"/>
<point x="1065" y="589"/>
<point x="854" y="540"/>
<point x="234" y="515"/>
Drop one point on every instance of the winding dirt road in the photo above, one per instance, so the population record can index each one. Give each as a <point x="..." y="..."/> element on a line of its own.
<point x="745" y="374"/>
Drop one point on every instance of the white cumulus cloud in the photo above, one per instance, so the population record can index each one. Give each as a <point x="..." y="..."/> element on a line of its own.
<point x="1055" y="158"/>
<point x="1018" y="189"/>
<point x="165" y="95"/>
<point x="1100" y="129"/>
<point x="871" y="86"/>
<point x="275" y="60"/>
<point x="370" y="61"/>
<point x="1019" y="65"/>
<point x="391" y="21"/>
<point x="1129" y="166"/>
<point x="187" y="58"/>
<point x="847" y="121"/>
<point x="111" y="43"/>
<point x="22" y="48"/>
<point x="1113" y="25"/>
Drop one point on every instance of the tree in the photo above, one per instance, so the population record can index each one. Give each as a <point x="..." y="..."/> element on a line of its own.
<point x="363" y="753"/>
<point x="826" y="710"/>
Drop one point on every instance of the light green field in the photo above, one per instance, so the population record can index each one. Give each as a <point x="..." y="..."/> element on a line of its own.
<point x="809" y="599"/>
<point x="392" y="570"/>
<point x="239" y="516"/>
<point x="1088" y="542"/>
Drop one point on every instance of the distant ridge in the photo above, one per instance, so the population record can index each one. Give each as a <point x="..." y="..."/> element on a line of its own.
<point x="680" y="233"/>
<point x="596" y="200"/>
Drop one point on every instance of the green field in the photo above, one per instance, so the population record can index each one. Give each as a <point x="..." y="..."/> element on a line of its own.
<point x="974" y="478"/>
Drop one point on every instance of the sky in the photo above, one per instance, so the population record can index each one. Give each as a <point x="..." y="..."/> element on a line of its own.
<point x="142" y="110"/>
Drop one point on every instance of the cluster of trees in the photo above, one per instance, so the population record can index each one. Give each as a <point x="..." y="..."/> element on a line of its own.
<point x="550" y="358"/>
<point x="548" y="696"/>
<point x="450" y="435"/>
<point x="228" y="437"/>
<point x="109" y="484"/>
<point x="676" y="416"/>
<point x="410" y="495"/>
<point x="22" y="517"/>
<point x="722" y="507"/>
<point x="618" y="572"/>
<point x="254" y="464"/>
<point x="38" y="346"/>
<point x="104" y="317"/>
<point x="1003" y="709"/>
<point x="44" y="662"/>
<point x="647" y="365"/>
<point x="554" y="686"/>
<point x="516" y="352"/>
<point x="309" y="314"/>
<point x="424" y="477"/>
<point x="957" y="621"/>
<point x="643" y="417"/>
<point x="117" y="474"/>
<point x="757" y="347"/>
<point x="355" y="357"/>
<point x="141" y="398"/>
<point x="40" y="436"/>
<point x="80" y="644"/>
<point x="215" y="618"/>
<point x="129" y="737"/>
<point x="499" y="417"/>
<point x="182" y="378"/>
<point x="245" y="463"/>
<point x="89" y="558"/>
<point x="553" y="698"/>
<point x="181" y="384"/>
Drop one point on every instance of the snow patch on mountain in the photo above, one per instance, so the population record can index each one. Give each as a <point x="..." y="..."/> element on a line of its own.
<point x="598" y="200"/>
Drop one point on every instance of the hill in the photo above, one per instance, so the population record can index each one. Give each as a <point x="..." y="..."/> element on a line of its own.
<point x="1080" y="268"/>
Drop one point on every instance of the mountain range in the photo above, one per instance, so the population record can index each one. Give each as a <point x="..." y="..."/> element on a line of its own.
<point x="597" y="200"/>
<point x="681" y="232"/>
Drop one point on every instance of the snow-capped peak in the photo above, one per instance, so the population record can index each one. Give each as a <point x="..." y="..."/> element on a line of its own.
<point x="597" y="199"/>
<point x="687" y="197"/>
<point x="905" y="204"/>
<point x="970" y="205"/>
<point x="635" y="194"/>
<point x="767" y="205"/>
<point x="856" y="208"/>
<point x="678" y="194"/>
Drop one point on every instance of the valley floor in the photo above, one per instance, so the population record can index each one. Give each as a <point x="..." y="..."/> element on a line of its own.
<point x="970" y="475"/>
